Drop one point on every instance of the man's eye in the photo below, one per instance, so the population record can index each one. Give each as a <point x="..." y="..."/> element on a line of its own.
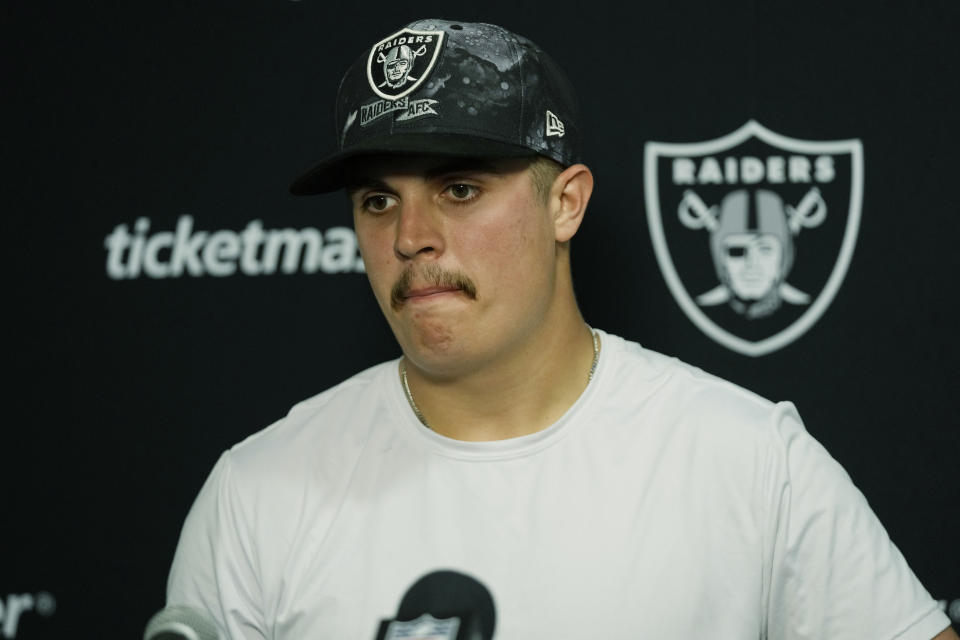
<point x="462" y="191"/>
<point x="378" y="203"/>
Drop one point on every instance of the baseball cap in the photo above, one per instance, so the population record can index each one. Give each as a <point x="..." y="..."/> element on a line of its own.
<point x="447" y="88"/>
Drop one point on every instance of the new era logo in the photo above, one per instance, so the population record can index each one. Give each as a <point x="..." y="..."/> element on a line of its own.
<point x="554" y="125"/>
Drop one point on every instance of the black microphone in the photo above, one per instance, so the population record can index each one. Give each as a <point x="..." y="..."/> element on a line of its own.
<point x="180" y="622"/>
<point x="443" y="605"/>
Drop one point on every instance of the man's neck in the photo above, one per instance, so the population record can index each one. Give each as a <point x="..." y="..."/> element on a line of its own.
<point x="520" y="393"/>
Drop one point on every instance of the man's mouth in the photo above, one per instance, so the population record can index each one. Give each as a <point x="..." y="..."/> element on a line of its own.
<point x="434" y="283"/>
<point x="429" y="292"/>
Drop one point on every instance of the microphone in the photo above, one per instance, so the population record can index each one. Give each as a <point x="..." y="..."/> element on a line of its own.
<point x="180" y="622"/>
<point x="443" y="605"/>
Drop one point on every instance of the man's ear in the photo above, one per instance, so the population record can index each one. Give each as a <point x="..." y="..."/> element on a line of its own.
<point x="569" y="196"/>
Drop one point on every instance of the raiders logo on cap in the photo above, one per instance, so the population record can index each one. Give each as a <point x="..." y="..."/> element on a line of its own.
<point x="399" y="63"/>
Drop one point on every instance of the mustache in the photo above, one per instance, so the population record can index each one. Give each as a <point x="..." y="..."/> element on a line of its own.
<point x="435" y="276"/>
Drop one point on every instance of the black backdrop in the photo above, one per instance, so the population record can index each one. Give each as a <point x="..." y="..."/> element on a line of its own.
<point x="123" y="391"/>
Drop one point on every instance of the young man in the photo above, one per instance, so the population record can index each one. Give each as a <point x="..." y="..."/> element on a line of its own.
<point x="515" y="472"/>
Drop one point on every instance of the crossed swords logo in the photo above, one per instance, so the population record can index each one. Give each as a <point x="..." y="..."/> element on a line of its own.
<point x="397" y="65"/>
<point x="694" y="214"/>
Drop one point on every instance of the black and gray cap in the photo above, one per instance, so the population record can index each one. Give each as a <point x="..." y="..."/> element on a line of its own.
<point x="455" y="89"/>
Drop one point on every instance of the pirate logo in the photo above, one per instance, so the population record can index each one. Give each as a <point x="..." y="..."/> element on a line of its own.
<point x="751" y="243"/>
<point x="756" y="284"/>
<point x="399" y="63"/>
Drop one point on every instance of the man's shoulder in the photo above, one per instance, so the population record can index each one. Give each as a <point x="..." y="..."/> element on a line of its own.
<point x="344" y="395"/>
<point x="332" y="421"/>
<point x="683" y="393"/>
<point x="694" y="420"/>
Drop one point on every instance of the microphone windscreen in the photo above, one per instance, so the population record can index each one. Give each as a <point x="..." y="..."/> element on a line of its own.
<point x="445" y="594"/>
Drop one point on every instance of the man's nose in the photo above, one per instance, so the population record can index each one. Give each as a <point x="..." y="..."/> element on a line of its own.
<point x="419" y="229"/>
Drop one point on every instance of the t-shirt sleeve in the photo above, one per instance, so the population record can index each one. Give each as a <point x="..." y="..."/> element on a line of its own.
<point x="834" y="571"/>
<point x="214" y="568"/>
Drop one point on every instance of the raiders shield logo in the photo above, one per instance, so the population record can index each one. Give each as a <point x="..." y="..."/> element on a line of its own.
<point x="399" y="63"/>
<point x="754" y="231"/>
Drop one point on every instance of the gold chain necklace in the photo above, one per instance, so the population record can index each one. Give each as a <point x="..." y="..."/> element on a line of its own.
<point x="419" y="414"/>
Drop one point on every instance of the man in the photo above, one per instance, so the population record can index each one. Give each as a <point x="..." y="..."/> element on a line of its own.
<point x="515" y="472"/>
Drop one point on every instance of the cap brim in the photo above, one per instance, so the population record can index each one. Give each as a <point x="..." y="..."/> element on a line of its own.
<point x="331" y="172"/>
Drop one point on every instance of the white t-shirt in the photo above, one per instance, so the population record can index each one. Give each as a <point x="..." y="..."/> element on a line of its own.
<point x="666" y="503"/>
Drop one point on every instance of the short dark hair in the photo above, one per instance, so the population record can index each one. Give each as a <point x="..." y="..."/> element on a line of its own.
<point x="543" y="172"/>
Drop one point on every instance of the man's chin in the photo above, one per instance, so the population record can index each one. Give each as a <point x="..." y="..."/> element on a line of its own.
<point x="434" y="343"/>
